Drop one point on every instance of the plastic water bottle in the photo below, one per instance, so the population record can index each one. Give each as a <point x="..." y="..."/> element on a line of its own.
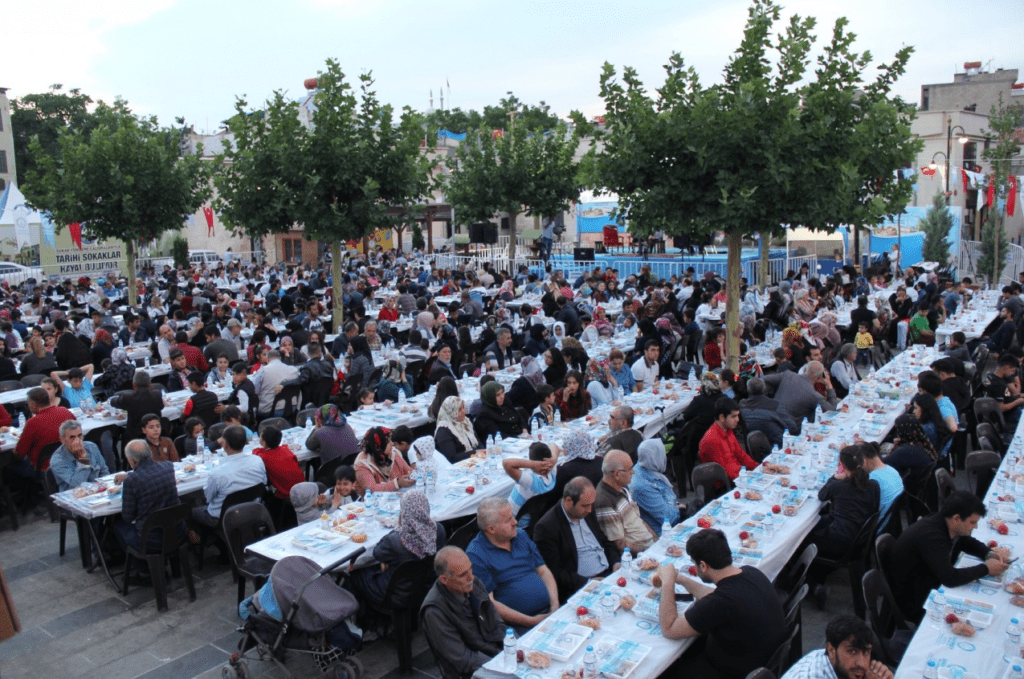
<point x="368" y="502"/>
<point x="200" y="443"/>
<point x="626" y="563"/>
<point x="607" y="606"/>
<point x="21" y="421"/>
<point x="420" y="482"/>
<point x="817" y="414"/>
<point x="490" y="444"/>
<point x="1011" y="645"/>
<point x="465" y="374"/>
<point x="510" y="651"/>
<point x="497" y="442"/>
<point x="558" y="416"/>
<point x="693" y="375"/>
<point x="1015" y="672"/>
<point x="666" y="526"/>
<point x="401" y="396"/>
<point x="430" y="483"/>
<point x="931" y="671"/>
<point x="590" y="664"/>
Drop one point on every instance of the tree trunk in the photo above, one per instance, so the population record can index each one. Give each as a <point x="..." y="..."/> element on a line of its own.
<point x="732" y="305"/>
<point x="765" y="278"/>
<point x="856" y="249"/>
<point x="339" y="298"/>
<point x="133" y="285"/>
<point x="512" y="216"/>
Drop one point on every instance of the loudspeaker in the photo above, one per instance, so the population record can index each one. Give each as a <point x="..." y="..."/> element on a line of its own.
<point x="505" y="224"/>
<point x="483" y="232"/>
<point x="682" y="242"/>
<point x="583" y="254"/>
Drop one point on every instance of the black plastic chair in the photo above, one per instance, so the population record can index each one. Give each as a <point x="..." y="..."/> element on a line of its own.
<point x="29" y="381"/>
<point x="412" y="373"/>
<point x="461" y="537"/>
<point x="854" y="560"/>
<point x="760" y="673"/>
<point x="466" y="368"/>
<point x="794" y="620"/>
<point x="987" y="409"/>
<point x="11" y="385"/>
<point x="982" y="466"/>
<point x="944" y="483"/>
<point x="300" y="418"/>
<point x="883" y="548"/>
<point x="713" y="478"/>
<point x="50" y="487"/>
<point x="279" y="422"/>
<point x="794" y="574"/>
<point x="779" y="662"/>
<point x="179" y="446"/>
<point x="250" y="494"/>
<point x="446" y="671"/>
<point x="405" y="593"/>
<point x="758" y="445"/>
<point x="245" y="524"/>
<point x="887" y="622"/>
<point x="166" y="522"/>
<point x="290" y="400"/>
<point x="5" y="490"/>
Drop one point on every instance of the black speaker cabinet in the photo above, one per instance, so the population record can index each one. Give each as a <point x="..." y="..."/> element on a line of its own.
<point x="583" y="254"/>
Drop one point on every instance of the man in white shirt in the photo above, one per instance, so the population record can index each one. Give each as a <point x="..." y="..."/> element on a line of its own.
<point x="166" y="343"/>
<point x="267" y="378"/>
<point x="238" y="471"/>
<point x="646" y="369"/>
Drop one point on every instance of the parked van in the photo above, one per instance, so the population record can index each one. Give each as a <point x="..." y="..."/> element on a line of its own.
<point x="200" y="257"/>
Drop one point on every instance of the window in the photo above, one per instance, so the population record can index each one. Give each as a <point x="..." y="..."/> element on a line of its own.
<point x="292" y="249"/>
<point x="3" y="162"/>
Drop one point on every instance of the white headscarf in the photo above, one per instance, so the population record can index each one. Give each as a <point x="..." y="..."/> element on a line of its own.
<point x="651" y="456"/>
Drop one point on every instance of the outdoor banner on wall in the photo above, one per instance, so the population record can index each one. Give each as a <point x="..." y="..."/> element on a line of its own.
<point x="381" y="237"/>
<point x="93" y="258"/>
<point x="592" y="217"/>
<point x="907" y="232"/>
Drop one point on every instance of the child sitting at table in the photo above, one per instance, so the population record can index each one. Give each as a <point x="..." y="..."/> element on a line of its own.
<point x="544" y="414"/>
<point x="344" y="491"/>
<point x="234" y="415"/>
<point x="366" y="399"/>
<point x="193" y="428"/>
<point x="78" y="388"/>
<point x="283" y="470"/>
<point x="533" y="476"/>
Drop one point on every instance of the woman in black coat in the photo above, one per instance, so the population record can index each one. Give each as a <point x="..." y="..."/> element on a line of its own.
<point x="496" y="414"/>
<point x="537" y="343"/>
<point x="702" y="407"/>
<point x="554" y="373"/>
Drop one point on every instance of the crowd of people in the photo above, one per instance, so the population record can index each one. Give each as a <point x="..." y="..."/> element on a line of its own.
<point x="266" y="335"/>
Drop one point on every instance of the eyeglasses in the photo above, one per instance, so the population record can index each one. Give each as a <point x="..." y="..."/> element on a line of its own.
<point x="625" y="471"/>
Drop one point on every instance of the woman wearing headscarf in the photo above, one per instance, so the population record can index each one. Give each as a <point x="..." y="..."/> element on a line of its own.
<point x="102" y="347"/>
<point x="523" y="391"/>
<point x="558" y="333"/>
<point x="537" y="343"/>
<point x="793" y="343"/>
<point x="554" y="373"/>
<point x="307" y="501"/>
<point x="830" y="321"/>
<point x="651" y="488"/>
<point x="289" y="355"/>
<point x="454" y="437"/>
<point x="572" y="400"/>
<point x="653" y="308"/>
<point x="415" y="537"/>
<point x="578" y="458"/>
<point x="601" y="322"/>
<point x="377" y="467"/>
<point x="332" y="436"/>
<point x="120" y="373"/>
<point x="912" y="448"/>
<point x="393" y="382"/>
<point x="389" y="310"/>
<point x="496" y="414"/>
<point x="361" y="368"/>
<point x="600" y="383"/>
<point x="702" y="407"/>
<point x="507" y="293"/>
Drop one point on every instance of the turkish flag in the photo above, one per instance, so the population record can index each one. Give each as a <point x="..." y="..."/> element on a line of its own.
<point x="1011" y="199"/>
<point x="963" y="173"/>
<point x="928" y="171"/>
<point x="76" y="233"/>
<point x="208" y="213"/>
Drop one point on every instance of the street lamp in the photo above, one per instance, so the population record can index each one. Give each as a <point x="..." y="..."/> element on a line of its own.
<point x="962" y="139"/>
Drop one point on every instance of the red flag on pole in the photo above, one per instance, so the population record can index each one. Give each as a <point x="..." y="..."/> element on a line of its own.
<point x="76" y="233"/>
<point x="963" y="174"/>
<point x="928" y="171"/>
<point x="208" y="213"/>
<point x="991" y="193"/>
<point x="1011" y="199"/>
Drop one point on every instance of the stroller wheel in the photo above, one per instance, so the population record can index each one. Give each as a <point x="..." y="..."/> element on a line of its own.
<point x="240" y="670"/>
<point x="348" y="668"/>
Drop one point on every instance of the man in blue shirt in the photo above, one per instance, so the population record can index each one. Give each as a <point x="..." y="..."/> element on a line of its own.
<point x="510" y="566"/>
<point x="76" y="461"/>
<point x="239" y="471"/>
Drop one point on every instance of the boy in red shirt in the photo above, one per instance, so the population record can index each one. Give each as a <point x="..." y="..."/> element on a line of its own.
<point x="283" y="470"/>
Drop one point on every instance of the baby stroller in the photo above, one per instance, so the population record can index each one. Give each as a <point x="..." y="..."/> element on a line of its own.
<point x="300" y="609"/>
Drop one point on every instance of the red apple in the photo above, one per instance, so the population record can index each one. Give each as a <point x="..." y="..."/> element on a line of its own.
<point x="792" y="487"/>
<point x="737" y="495"/>
<point x="621" y="582"/>
<point x="703" y="523"/>
<point x="744" y="535"/>
<point x="693" y="570"/>
<point x="581" y="611"/>
<point x="992" y="544"/>
<point x="1003" y="529"/>
<point x="470" y="489"/>
<point x="351" y="517"/>
<point x="766" y="463"/>
<point x="520" y="656"/>
<point x="776" y="509"/>
<point x="870" y="410"/>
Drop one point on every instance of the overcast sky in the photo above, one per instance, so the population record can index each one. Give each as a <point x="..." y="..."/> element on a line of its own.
<point x="192" y="59"/>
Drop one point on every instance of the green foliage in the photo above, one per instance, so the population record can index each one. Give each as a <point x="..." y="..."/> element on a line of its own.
<point x="41" y="117"/>
<point x="773" y="145"/>
<point x="519" y="171"/>
<point x="936" y="226"/>
<point x="126" y="180"/>
<point x="335" y="174"/>
<point x="994" y="245"/>
<point x="417" y="237"/>
<point x="535" y="118"/>
<point x="179" y="251"/>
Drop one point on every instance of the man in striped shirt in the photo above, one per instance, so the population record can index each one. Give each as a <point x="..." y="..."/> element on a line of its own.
<point x="616" y="510"/>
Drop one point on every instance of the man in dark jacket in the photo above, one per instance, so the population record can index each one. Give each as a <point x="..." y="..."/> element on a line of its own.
<point x="317" y="371"/>
<point x="141" y="401"/>
<point x="567" y="314"/>
<point x="459" y="619"/>
<point x="571" y="541"/>
<point x="70" y="352"/>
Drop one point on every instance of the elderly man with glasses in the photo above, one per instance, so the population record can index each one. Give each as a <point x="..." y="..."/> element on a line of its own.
<point x="617" y="512"/>
<point x="621" y="435"/>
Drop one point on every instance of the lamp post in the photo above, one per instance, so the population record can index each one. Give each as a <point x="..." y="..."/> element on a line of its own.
<point x="962" y="139"/>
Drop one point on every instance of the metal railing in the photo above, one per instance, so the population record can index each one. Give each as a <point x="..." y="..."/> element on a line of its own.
<point x="970" y="254"/>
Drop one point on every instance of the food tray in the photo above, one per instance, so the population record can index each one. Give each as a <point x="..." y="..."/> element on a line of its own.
<point x="590" y="595"/>
<point x="558" y="638"/>
<point x="618" y="658"/>
<point x="319" y="541"/>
